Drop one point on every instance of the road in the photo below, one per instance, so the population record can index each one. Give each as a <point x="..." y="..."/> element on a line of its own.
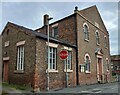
<point x="111" y="88"/>
<point x="90" y="89"/>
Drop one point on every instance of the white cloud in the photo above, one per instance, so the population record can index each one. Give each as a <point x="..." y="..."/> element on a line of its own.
<point x="111" y="19"/>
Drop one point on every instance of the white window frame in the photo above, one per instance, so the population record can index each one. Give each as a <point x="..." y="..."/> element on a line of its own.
<point x="82" y="67"/>
<point x="20" y="58"/>
<point x="86" y="33"/>
<point x="97" y="35"/>
<point x="53" y="32"/>
<point x="52" y="59"/>
<point x="68" y="61"/>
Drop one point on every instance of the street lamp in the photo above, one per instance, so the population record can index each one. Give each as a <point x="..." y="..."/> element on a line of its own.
<point x="47" y="22"/>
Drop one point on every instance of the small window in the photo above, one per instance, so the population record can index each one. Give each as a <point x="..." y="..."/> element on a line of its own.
<point x="107" y="64"/>
<point x="105" y="38"/>
<point x="96" y="24"/>
<point x="55" y="32"/>
<point x="68" y="61"/>
<point x="97" y="37"/>
<point x="7" y="43"/>
<point x="7" y="31"/>
<point x="87" y="63"/>
<point x="86" y="33"/>
<point x="82" y="68"/>
<point x="20" y="58"/>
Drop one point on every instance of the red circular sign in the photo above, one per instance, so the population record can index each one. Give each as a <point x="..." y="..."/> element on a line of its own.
<point x="63" y="54"/>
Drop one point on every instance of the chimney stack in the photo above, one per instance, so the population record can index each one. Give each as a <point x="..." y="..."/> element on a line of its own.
<point x="46" y="16"/>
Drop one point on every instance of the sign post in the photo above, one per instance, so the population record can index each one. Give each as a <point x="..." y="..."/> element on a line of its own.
<point x="63" y="56"/>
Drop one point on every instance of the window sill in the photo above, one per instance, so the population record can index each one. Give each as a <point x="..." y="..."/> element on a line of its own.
<point x="98" y="44"/>
<point x="52" y="71"/>
<point x="19" y="71"/>
<point x="6" y="58"/>
<point x="106" y="47"/>
<point x="87" y="72"/>
<point x="68" y="70"/>
<point x="82" y="71"/>
<point x="86" y="40"/>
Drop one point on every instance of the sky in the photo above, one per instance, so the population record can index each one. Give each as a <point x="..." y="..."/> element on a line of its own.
<point x="30" y="15"/>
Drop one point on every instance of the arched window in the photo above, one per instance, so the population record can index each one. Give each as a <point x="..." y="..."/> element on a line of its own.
<point x="97" y="37"/>
<point x="87" y="62"/>
<point x="105" y="38"/>
<point x="86" y="32"/>
<point x="107" y="64"/>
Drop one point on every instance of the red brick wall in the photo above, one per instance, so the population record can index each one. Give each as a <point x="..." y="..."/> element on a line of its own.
<point x="15" y="35"/>
<point x="57" y="79"/>
<point x="66" y="29"/>
<point x="90" y="48"/>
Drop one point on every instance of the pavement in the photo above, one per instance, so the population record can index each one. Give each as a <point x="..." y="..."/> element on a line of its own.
<point x="84" y="89"/>
<point x="94" y="88"/>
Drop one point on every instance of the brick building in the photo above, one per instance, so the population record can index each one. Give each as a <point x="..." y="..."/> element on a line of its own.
<point x="115" y="64"/>
<point x="0" y="58"/>
<point x="83" y="34"/>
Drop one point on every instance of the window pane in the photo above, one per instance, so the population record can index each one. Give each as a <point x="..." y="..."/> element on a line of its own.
<point x="97" y="38"/>
<point x="105" y="42"/>
<point x="82" y="68"/>
<point x="68" y="61"/>
<point x="55" y="31"/>
<point x="50" y="49"/>
<point x="50" y="55"/>
<point x="50" y="60"/>
<point x="53" y="65"/>
<point x="87" y="62"/>
<point x="85" y="29"/>
<point x="53" y="55"/>
<point x="69" y="65"/>
<point x="86" y="33"/>
<point x="50" y="65"/>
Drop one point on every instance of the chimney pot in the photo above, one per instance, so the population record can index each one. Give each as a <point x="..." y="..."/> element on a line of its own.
<point x="76" y="9"/>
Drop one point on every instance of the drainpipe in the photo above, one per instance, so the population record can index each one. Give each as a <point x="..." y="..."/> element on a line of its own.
<point x="75" y="22"/>
<point x="46" y="22"/>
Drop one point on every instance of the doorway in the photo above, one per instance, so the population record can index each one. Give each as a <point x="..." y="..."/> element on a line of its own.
<point x="100" y="68"/>
<point x="5" y="71"/>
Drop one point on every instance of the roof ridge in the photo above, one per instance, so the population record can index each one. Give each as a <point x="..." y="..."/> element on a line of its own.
<point x="88" y="8"/>
<point x="40" y="35"/>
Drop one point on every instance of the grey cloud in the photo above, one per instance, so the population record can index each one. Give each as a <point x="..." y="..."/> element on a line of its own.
<point x="31" y="14"/>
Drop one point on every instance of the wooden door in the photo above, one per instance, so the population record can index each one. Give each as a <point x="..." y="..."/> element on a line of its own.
<point x="5" y="73"/>
<point x="100" y="68"/>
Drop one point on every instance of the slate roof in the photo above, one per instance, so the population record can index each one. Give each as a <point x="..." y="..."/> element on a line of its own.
<point x="40" y="35"/>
